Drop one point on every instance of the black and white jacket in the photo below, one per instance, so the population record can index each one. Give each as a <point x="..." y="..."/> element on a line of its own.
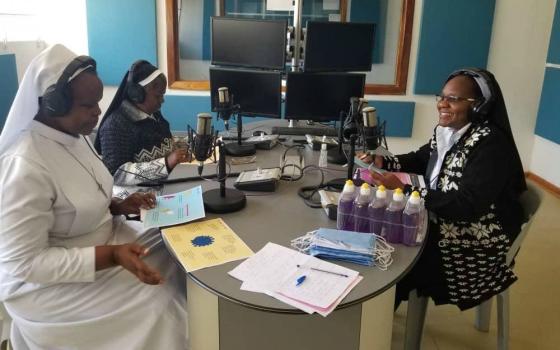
<point x="134" y="146"/>
<point x="474" y="214"/>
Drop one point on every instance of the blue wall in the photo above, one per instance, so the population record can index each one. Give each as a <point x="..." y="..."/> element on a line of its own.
<point x="453" y="34"/>
<point x="119" y="33"/>
<point x="9" y="85"/>
<point x="181" y="111"/>
<point x="548" y="118"/>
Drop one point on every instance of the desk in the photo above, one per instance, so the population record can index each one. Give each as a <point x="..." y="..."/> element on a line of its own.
<point x="223" y="317"/>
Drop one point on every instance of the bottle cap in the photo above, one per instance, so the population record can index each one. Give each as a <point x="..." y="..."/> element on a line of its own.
<point x="348" y="186"/>
<point x="365" y="190"/>
<point x="381" y="193"/>
<point x="398" y="195"/>
<point x="323" y="147"/>
<point x="414" y="198"/>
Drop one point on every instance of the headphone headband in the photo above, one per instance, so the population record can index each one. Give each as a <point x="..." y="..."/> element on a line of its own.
<point x="135" y="92"/>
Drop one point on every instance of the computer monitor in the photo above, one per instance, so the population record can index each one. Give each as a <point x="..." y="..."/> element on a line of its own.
<point x="249" y="42"/>
<point x="335" y="46"/>
<point x="321" y="96"/>
<point x="258" y="93"/>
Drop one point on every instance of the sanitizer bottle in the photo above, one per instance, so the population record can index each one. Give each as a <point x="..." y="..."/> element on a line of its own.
<point x="392" y="227"/>
<point x="376" y="210"/>
<point x="361" y="203"/>
<point x="411" y="219"/>
<point x="344" y="219"/>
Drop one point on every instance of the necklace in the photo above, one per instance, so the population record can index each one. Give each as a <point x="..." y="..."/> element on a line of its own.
<point x="90" y="172"/>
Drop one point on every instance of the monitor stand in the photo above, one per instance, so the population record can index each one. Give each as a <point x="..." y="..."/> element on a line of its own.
<point x="237" y="149"/>
<point x="336" y="155"/>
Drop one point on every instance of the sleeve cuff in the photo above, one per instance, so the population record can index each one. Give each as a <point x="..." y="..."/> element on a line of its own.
<point x="88" y="256"/>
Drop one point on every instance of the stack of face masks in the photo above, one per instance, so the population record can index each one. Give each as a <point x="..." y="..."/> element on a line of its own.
<point x="356" y="247"/>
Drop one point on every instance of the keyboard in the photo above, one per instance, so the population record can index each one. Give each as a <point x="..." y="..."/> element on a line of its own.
<point x="298" y="130"/>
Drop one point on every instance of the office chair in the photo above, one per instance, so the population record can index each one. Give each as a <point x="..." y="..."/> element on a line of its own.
<point x="417" y="306"/>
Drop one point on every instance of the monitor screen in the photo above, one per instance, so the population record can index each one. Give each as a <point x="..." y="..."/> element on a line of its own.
<point x="321" y="96"/>
<point x="258" y="93"/>
<point x="335" y="46"/>
<point x="249" y="42"/>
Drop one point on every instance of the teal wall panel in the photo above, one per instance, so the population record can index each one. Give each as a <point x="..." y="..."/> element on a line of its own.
<point x="554" y="45"/>
<point x="9" y="86"/>
<point x="453" y="34"/>
<point x="181" y="110"/>
<point x="119" y="33"/>
<point x="548" y="118"/>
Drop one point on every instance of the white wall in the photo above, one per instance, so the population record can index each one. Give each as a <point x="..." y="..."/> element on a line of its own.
<point x="518" y="51"/>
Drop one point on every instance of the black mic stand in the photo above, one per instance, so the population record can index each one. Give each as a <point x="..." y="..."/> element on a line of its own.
<point x="238" y="149"/>
<point x="234" y="149"/>
<point x="339" y="182"/>
<point x="336" y="155"/>
<point x="223" y="200"/>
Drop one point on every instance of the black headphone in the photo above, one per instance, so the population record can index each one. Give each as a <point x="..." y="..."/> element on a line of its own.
<point x="135" y="91"/>
<point x="484" y="81"/>
<point x="57" y="99"/>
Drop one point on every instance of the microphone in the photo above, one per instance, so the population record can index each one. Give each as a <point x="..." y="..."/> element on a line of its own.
<point x="203" y="139"/>
<point x="225" y="108"/>
<point x="371" y="131"/>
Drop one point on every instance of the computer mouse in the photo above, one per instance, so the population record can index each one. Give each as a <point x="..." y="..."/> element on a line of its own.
<point x="258" y="133"/>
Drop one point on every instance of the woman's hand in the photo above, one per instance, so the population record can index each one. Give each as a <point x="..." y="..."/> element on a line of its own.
<point x="389" y="180"/>
<point x="179" y="155"/>
<point x="133" y="203"/>
<point x="129" y="256"/>
<point x="368" y="159"/>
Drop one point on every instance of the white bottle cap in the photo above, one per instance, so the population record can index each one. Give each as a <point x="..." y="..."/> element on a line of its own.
<point x="414" y="198"/>
<point x="381" y="193"/>
<point x="348" y="186"/>
<point x="398" y="195"/>
<point x="365" y="190"/>
<point x="323" y="147"/>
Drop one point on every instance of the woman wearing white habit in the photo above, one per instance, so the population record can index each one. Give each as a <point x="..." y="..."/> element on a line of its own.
<point x="70" y="275"/>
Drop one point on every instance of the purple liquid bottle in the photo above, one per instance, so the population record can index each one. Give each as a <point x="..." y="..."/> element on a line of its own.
<point x="411" y="219"/>
<point x="361" y="203"/>
<point x="392" y="227"/>
<point x="344" y="219"/>
<point x="376" y="210"/>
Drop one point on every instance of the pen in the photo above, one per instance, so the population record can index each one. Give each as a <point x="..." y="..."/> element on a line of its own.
<point x="300" y="280"/>
<point x="326" y="271"/>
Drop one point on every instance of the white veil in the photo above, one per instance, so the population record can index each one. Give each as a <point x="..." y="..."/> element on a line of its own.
<point x="43" y="71"/>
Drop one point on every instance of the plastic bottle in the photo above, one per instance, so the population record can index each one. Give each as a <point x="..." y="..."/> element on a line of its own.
<point x="376" y="210"/>
<point x="323" y="156"/>
<point x="392" y="226"/>
<point x="345" y="206"/>
<point x="360" y="213"/>
<point x="411" y="219"/>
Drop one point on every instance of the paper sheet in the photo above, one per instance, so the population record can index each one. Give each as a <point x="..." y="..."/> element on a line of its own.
<point x="273" y="270"/>
<point x="174" y="209"/>
<point x="205" y="243"/>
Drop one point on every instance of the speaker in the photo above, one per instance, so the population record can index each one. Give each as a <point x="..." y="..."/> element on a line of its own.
<point x="57" y="98"/>
<point x="484" y="81"/>
<point x="135" y="91"/>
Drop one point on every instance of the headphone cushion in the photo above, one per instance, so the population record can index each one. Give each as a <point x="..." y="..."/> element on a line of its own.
<point x="56" y="103"/>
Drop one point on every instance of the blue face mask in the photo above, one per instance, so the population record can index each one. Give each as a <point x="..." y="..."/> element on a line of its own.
<point x="356" y="247"/>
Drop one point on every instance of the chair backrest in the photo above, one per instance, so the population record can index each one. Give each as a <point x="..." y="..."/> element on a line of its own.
<point x="530" y="201"/>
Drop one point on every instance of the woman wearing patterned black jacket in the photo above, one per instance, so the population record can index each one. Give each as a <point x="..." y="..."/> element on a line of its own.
<point x="134" y="138"/>
<point x="475" y="179"/>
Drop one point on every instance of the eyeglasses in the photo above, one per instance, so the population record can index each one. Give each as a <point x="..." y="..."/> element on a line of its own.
<point x="454" y="99"/>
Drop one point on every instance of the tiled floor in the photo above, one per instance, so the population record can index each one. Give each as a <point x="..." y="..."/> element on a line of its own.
<point x="534" y="299"/>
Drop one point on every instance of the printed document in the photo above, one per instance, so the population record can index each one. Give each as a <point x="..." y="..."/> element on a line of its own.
<point x="205" y="243"/>
<point x="174" y="209"/>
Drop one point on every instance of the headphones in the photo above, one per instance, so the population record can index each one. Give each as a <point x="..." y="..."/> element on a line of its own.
<point x="484" y="81"/>
<point x="135" y="91"/>
<point x="57" y="99"/>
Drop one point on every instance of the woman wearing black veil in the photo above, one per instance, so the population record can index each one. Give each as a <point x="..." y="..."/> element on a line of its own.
<point x="475" y="180"/>
<point x="134" y="138"/>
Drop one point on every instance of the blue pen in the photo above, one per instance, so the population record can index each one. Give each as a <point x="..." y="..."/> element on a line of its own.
<point x="300" y="280"/>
